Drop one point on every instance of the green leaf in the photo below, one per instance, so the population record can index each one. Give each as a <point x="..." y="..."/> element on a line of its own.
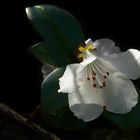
<point x="55" y="105"/>
<point x="129" y="122"/>
<point x="40" y="52"/>
<point x="60" y="29"/>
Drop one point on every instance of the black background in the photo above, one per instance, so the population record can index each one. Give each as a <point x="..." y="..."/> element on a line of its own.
<point x="21" y="76"/>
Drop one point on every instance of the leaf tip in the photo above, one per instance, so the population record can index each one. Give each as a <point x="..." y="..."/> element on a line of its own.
<point x="28" y="12"/>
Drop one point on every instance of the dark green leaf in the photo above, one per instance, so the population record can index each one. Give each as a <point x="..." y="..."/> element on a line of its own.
<point x="55" y="105"/>
<point x="59" y="28"/>
<point x="40" y="51"/>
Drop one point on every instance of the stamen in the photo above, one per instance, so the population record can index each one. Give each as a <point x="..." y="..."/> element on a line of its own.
<point x="84" y="47"/>
<point x="93" y="78"/>
<point x="89" y="74"/>
<point x="103" y="84"/>
<point x="89" y="47"/>
<point x="104" y="76"/>
<point x="81" y="49"/>
<point x="99" y="80"/>
<point x="107" y="73"/>
<point x="99" y="69"/>
<point x="97" y="75"/>
<point x="88" y="78"/>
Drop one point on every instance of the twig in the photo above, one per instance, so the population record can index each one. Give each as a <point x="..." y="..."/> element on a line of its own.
<point x="25" y="121"/>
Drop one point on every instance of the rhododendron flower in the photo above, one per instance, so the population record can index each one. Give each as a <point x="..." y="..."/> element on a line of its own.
<point x="101" y="80"/>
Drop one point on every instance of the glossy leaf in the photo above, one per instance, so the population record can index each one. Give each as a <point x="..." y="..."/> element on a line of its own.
<point x="60" y="30"/>
<point x="55" y="105"/>
<point x="129" y="122"/>
<point x="39" y="50"/>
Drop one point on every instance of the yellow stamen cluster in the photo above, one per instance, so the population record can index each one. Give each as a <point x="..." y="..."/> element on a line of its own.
<point x="84" y="48"/>
<point x="87" y="47"/>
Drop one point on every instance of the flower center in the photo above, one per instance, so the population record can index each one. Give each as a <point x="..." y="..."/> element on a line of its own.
<point x="84" y="47"/>
<point x="97" y="74"/>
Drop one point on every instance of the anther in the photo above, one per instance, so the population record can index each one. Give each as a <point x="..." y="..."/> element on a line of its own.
<point x="104" y="76"/>
<point x="94" y="73"/>
<point x="94" y="84"/>
<point x="93" y="78"/>
<point x="101" y="87"/>
<point x="107" y="73"/>
<point x="88" y="78"/>
<point x="103" y="84"/>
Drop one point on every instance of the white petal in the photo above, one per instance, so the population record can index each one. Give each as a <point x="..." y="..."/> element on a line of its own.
<point x="119" y="94"/>
<point x="105" y="47"/>
<point x="84" y="111"/>
<point x="86" y="102"/>
<point x="67" y="82"/>
<point x="89" y="41"/>
<point x="128" y="63"/>
<point x="88" y="58"/>
<point x="108" y="66"/>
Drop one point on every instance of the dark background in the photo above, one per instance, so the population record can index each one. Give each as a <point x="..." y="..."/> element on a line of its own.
<point x="21" y="76"/>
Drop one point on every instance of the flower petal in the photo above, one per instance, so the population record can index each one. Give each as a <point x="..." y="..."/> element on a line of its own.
<point x="119" y="94"/>
<point x="84" y="111"/>
<point x="128" y="63"/>
<point x="88" y="58"/>
<point x="67" y="82"/>
<point x="86" y="102"/>
<point x="105" y="47"/>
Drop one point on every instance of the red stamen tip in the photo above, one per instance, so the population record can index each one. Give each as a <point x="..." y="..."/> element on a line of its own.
<point x="88" y="78"/>
<point x="94" y="85"/>
<point x="103" y="84"/>
<point x="107" y="73"/>
<point x="104" y="76"/>
<point x="93" y="78"/>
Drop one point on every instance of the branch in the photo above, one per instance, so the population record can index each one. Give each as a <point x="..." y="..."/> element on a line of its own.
<point x="10" y="113"/>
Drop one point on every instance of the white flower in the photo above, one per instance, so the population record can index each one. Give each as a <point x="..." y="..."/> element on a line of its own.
<point x="101" y="80"/>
